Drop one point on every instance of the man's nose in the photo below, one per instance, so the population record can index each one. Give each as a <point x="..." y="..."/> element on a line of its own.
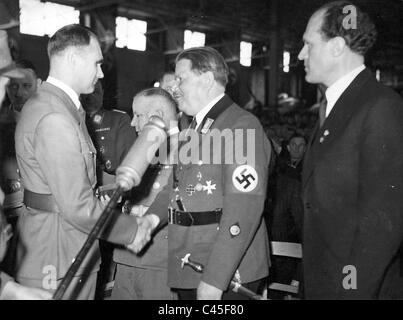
<point x="302" y="53"/>
<point x="100" y="73"/>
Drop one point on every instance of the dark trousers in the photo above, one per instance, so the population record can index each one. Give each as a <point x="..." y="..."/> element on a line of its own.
<point x="256" y="286"/>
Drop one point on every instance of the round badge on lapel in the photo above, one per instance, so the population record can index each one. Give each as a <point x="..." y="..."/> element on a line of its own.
<point x="234" y="230"/>
<point x="108" y="164"/>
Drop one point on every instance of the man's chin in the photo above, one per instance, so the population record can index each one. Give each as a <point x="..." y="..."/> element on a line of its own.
<point x="18" y="106"/>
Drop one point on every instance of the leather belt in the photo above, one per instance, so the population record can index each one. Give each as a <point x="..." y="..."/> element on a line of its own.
<point x="39" y="201"/>
<point x="195" y="218"/>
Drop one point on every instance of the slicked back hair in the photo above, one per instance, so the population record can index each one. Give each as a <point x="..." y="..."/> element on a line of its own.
<point x="159" y="93"/>
<point x="359" y="37"/>
<point x="205" y="59"/>
<point x="73" y="35"/>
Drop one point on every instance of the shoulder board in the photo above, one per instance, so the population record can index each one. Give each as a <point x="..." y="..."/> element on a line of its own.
<point x="120" y="111"/>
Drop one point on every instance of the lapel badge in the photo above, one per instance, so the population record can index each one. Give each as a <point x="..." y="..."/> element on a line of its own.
<point x="199" y="176"/>
<point x="207" y="125"/>
<point x="326" y="133"/>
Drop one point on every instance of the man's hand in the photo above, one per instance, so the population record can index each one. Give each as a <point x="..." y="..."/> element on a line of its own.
<point x="138" y="210"/>
<point x="206" y="291"/>
<point x="15" y="291"/>
<point x="146" y="225"/>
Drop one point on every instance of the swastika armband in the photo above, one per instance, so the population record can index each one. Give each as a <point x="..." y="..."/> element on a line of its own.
<point x="245" y="178"/>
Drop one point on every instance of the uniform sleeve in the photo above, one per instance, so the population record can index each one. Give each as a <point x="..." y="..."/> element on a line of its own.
<point x="61" y="157"/>
<point x="244" y="194"/>
<point x="380" y="198"/>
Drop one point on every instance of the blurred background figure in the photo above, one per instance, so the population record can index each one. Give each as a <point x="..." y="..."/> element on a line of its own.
<point x="18" y="90"/>
<point x="286" y="221"/>
<point x="9" y="289"/>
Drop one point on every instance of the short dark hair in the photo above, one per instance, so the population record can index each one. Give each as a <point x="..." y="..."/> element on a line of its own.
<point x="297" y="135"/>
<point x="72" y="35"/>
<point x="359" y="39"/>
<point x="205" y="59"/>
<point x="158" y="92"/>
<point x="25" y="64"/>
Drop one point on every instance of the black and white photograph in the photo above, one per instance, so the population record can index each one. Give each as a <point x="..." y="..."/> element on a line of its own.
<point x="156" y="151"/>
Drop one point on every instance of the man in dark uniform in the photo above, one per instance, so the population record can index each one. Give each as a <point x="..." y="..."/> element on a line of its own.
<point x="216" y="200"/>
<point x="112" y="135"/>
<point x="110" y="131"/>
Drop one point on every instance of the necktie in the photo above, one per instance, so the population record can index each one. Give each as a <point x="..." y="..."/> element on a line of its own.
<point x="322" y="112"/>
<point x="193" y="124"/>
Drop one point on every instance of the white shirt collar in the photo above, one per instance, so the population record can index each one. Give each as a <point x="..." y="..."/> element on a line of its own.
<point x="68" y="90"/>
<point x="173" y="131"/>
<point x="334" y="92"/>
<point x="203" y="112"/>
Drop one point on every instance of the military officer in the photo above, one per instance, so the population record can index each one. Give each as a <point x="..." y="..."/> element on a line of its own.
<point x="216" y="199"/>
<point x="143" y="276"/>
<point x="110" y="131"/>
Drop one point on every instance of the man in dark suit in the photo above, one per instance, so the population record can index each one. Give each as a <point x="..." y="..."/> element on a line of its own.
<point x="353" y="169"/>
<point x="57" y="162"/>
<point x="216" y="200"/>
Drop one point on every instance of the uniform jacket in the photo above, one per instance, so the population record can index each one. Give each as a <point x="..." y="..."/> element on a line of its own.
<point x="239" y="241"/>
<point x="154" y="255"/>
<point x="112" y="135"/>
<point x="56" y="156"/>
<point x="353" y="196"/>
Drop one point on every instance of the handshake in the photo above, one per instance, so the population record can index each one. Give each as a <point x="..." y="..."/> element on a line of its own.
<point x="146" y="225"/>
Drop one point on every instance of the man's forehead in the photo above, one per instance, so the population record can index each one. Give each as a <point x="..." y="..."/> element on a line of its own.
<point x="314" y="24"/>
<point x="145" y="103"/>
<point x="29" y="75"/>
<point x="183" y="65"/>
<point x="297" y="140"/>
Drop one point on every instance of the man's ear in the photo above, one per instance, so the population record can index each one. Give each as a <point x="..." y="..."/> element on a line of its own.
<point x="72" y="57"/>
<point x="208" y="78"/>
<point x="338" y="46"/>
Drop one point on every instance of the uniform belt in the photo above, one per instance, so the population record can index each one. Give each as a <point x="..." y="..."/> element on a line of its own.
<point x="39" y="201"/>
<point x="194" y="218"/>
